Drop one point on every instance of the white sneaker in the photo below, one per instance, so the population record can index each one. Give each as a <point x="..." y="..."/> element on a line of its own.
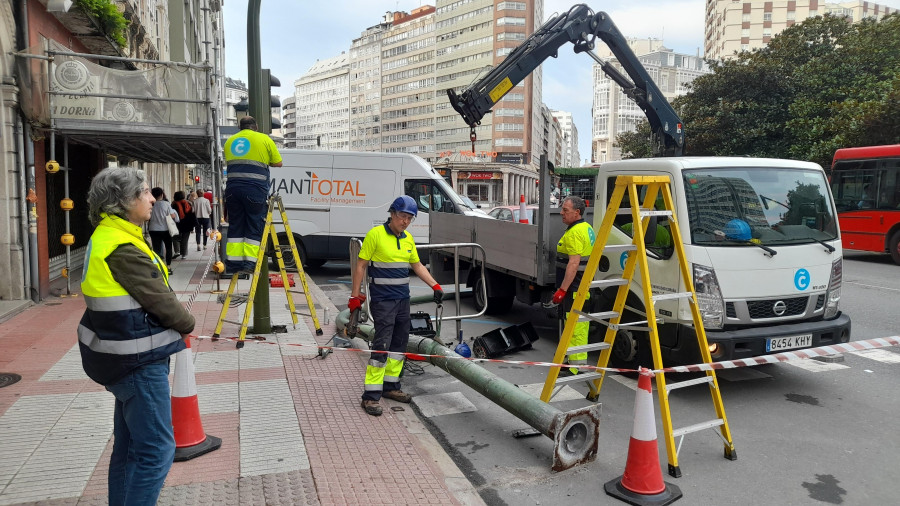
<point x="198" y="247"/>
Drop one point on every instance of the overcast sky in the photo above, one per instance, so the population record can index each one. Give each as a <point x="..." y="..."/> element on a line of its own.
<point x="296" y="34"/>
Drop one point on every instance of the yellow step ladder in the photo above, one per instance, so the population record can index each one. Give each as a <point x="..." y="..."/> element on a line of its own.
<point x="269" y="231"/>
<point x="637" y="259"/>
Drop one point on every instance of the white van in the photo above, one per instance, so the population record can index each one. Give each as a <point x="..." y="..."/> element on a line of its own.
<point x="332" y="196"/>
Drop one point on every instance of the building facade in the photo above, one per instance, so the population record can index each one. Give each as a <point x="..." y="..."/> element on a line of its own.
<point x="570" y="155"/>
<point x="95" y="114"/>
<point x="289" y="121"/>
<point x="408" y="92"/>
<point x="614" y="113"/>
<point x="365" y="87"/>
<point x="742" y="26"/>
<point x="322" y="99"/>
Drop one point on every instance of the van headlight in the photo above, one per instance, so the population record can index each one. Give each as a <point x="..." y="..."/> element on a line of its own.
<point x="833" y="297"/>
<point x="709" y="297"/>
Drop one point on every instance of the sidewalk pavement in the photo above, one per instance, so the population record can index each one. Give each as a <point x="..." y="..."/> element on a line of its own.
<point x="291" y="425"/>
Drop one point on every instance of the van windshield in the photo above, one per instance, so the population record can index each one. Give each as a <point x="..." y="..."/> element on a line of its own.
<point x="758" y="206"/>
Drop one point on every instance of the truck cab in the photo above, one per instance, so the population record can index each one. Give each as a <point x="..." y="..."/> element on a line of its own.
<point x="762" y="242"/>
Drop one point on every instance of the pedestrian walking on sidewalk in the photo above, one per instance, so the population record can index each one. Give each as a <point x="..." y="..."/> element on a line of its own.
<point x="132" y="325"/>
<point x="159" y="229"/>
<point x="203" y="211"/>
<point x="387" y="254"/>
<point x="187" y="220"/>
<point x="572" y="254"/>
<point x="248" y="155"/>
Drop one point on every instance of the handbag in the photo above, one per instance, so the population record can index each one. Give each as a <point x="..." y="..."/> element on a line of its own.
<point x="173" y="228"/>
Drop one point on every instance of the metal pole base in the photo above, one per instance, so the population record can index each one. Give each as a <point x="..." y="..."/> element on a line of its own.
<point x="187" y="453"/>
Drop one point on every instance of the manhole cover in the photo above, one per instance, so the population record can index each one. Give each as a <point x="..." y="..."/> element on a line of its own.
<point x="8" y="378"/>
<point x="279" y="329"/>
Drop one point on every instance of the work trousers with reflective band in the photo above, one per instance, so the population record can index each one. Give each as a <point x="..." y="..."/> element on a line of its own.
<point x="580" y="335"/>
<point x="247" y="205"/>
<point x="391" y="318"/>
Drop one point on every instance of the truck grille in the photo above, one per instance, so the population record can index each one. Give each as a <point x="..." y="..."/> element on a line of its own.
<point x="760" y="309"/>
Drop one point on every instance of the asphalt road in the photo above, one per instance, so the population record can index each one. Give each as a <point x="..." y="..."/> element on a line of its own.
<point x="806" y="432"/>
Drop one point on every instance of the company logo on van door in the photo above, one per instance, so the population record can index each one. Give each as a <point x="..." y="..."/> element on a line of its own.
<point x="320" y="191"/>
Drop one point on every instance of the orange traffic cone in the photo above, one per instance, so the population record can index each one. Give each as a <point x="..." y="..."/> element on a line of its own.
<point x="642" y="483"/>
<point x="190" y="440"/>
<point x="523" y="218"/>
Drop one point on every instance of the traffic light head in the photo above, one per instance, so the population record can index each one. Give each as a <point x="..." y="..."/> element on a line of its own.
<point x="197" y="179"/>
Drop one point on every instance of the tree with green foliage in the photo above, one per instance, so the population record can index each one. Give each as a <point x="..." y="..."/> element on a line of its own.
<point x="635" y="144"/>
<point x="817" y="86"/>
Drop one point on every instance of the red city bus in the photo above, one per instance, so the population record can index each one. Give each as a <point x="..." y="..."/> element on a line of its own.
<point x="865" y="183"/>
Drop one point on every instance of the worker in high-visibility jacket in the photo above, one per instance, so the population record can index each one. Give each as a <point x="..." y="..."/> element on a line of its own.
<point x="248" y="155"/>
<point x="387" y="254"/>
<point x="132" y="325"/>
<point x="572" y="254"/>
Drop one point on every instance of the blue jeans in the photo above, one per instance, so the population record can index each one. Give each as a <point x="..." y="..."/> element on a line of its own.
<point x="144" y="443"/>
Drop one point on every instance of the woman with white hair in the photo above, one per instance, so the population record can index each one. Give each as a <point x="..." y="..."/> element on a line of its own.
<point x="132" y="325"/>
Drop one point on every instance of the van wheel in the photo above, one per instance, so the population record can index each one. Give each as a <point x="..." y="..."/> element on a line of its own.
<point x="894" y="246"/>
<point x="495" y="305"/>
<point x="288" y="256"/>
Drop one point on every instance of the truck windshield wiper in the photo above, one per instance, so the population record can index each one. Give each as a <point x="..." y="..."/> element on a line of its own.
<point x="771" y="252"/>
<point x="828" y="247"/>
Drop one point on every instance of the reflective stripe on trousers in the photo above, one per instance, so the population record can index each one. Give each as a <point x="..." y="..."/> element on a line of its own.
<point x="391" y="318"/>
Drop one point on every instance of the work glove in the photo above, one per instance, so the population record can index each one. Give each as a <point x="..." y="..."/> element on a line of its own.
<point x="438" y="294"/>
<point x="559" y="296"/>
<point x="356" y="302"/>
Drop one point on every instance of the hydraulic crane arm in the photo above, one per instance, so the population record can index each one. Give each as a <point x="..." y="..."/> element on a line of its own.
<point x="580" y="26"/>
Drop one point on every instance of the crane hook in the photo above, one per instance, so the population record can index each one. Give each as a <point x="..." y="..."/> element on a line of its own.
<point x="473" y="137"/>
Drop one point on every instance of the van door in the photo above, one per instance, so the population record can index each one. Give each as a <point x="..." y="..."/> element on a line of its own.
<point x="361" y="190"/>
<point x="299" y="182"/>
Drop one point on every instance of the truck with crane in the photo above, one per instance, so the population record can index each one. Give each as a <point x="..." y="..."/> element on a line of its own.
<point x="763" y="244"/>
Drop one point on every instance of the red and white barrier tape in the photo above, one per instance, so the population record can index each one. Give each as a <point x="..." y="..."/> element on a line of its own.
<point x="821" y="351"/>
<point x="870" y="344"/>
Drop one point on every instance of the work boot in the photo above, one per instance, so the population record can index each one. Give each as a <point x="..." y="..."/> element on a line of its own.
<point x="371" y="407"/>
<point x="567" y="371"/>
<point x="397" y="395"/>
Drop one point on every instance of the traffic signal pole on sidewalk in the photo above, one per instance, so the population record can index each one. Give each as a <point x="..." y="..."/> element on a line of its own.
<point x="259" y="109"/>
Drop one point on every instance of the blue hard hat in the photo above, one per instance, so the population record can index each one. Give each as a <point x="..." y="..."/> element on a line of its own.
<point x="404" y="204"/>
<point x="463" y="349"/>
<point x="738" y="229"/>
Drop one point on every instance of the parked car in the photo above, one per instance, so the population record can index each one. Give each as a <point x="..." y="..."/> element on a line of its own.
<point x="511" y="213"/>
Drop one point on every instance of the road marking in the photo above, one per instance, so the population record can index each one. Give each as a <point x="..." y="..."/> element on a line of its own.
<point x="443" y="404"/>
<point x="873" y="286"/>
<point x="883" y="356"/>
<point x="628" y="382"/>
<point x="742" y="374"/>
<point x="816" y="366"/>
<point x="560" y="393"/>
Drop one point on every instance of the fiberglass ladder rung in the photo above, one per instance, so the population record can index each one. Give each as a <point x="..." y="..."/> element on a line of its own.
<point x="637" y="267"/>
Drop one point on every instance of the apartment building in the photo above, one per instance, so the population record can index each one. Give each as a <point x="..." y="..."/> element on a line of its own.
<point x="472" y="35"/>
<point x="365" y="87"/>
<point x="408" y="94"/>
<point x="742" y="26"/>
<point x="322" y="99"/>
<point x="614" y="113"/>
<point x="570" y="155"/>
<point x="289" y="121"/>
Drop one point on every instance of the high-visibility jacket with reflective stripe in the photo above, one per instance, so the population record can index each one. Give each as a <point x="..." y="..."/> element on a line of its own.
<point x="578" y="239"/>
<point x="389" y="259"/>
<point x="248" y="155"/>
<point x="115" y="334"/>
